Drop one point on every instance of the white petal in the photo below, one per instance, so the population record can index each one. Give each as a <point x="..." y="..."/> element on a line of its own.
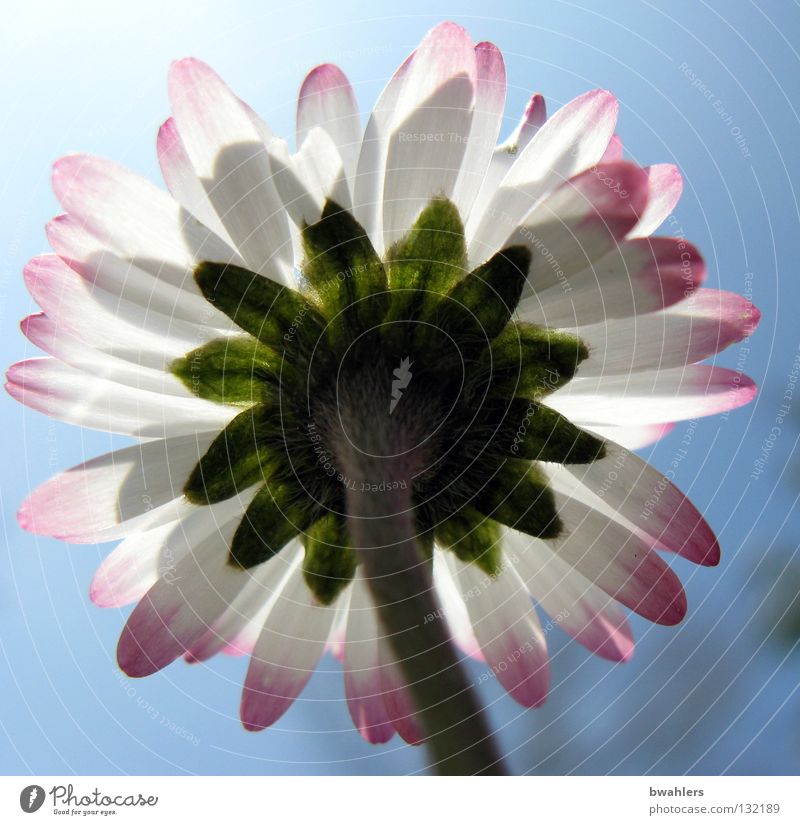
<point x="55" y="389"/>
<point x="116" y="283"/>
<point x="182" y="180"/>
<point x="371" y="168"/>
<point x="490" y="96"/>
<point x="633" y="438"/>
<point x="305" y="180"/>
<point x="55" y="340"/>
<point x="430" y="128"/>
<point x="133" y="567"/>
<point x="139" y="561"/>
<point x="506" y="154"/>
<point x="338" y="634"/>
<point x="453" y="608"/>
<point x="310" y="177"/>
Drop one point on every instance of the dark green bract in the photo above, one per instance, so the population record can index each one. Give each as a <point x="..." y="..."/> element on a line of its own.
<point x="410" y="356"/>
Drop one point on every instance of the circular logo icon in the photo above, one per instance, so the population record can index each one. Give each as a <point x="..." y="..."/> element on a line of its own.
<point x="31" y="798"/>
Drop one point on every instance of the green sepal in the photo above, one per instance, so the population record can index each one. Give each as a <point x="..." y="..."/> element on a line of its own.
<point x="536" y="432"/>
<point x="477" y="308"/>
<point x="245" y="452"/>
<point x="473" y="537"/>
<point x="275" y="516"/>
<point x="330" y="562"/>
<point x="427" y="262"/>
<point x="233" y="370"/>
<point x="519" y="497"/>
<point x="278" y="316"/>
<point x="344" y="270"/>
<point x="530" y="361"/>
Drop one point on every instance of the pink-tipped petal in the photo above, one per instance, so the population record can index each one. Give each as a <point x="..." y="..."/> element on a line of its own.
<point x="686" y="332"/>
<point x="626" y="488"/>
<point x="232" y="162"/>
<point x="506" y="153"/>
<point x="607" y="636"/>
<point x="55" y="340"/>
<point x="362" y="669"/>
<point x="135" y="565"/>
<point x="571" y="141"/>
<point x="613" y="150"/>
<point x="243" y="643"/>
<point x="244" y="617"/>
<point x="573" y="603"/>
<point x="286" y="654"/>
<point x="533" y="118"/>
<point x="653" y="397"/>
<point x="134" y="218"/>
<point x="84" y="503"/>
<point x="445" y="52"/>
<point x="397" y="698"/>
<point x="666" y="185"/>
<point x="453" y="609"/>
<point x="632" y="278"/>
<point x="619" y="561"/>
<point x="116" y="283"/>
<point x="430" y="128"/>
<point x="572" y="230"/>
<point x="508" y="630"/>
<point x="179" y="608"/>
<point x="182" y="180"/>
<point x="106" y="323"/>
<point x="327" y="101"/>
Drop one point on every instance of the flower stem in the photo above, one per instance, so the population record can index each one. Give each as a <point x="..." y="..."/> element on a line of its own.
<point x="383" y="529"/>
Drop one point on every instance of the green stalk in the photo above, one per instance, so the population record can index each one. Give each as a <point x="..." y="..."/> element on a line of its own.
<point x="383" y="530"/>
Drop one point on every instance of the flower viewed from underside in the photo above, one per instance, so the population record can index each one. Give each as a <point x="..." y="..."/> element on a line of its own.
<point x="492" y="323"/>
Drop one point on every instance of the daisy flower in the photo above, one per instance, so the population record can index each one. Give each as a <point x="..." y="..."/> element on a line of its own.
<point x="408" y="315"/>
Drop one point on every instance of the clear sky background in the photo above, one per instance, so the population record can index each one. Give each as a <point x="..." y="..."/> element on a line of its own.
<point x="717" y="694"/>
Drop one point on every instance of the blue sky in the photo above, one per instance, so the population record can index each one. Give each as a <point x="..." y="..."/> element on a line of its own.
<point x="712" y="87"/>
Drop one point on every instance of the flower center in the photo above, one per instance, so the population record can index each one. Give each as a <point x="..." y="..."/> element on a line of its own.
<point x="412" y="362"/>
